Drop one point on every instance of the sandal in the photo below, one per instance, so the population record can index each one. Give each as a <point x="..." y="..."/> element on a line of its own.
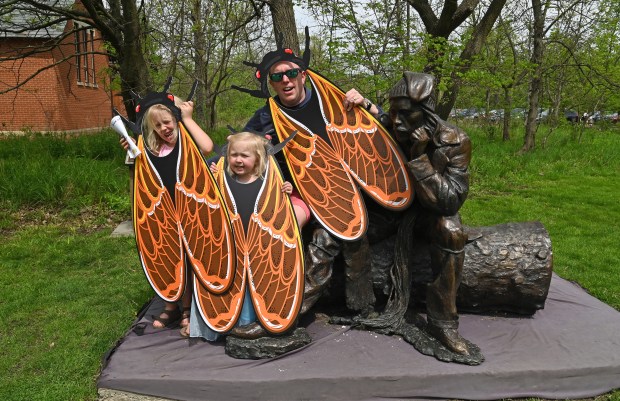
<point x="167" y="318"/>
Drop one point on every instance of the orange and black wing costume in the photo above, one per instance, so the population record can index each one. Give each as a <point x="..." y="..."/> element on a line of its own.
<point x="275" y="255"/>
<point x="195" y="225"/>
<point x="360" y="152"/>
<point x="204" y="220"/>
<point x="158" y="234"/>
<point x="269" y="261"/>
<point x="321" y="178"/>
<point x="220" y="311"/>
<point x="366" y="148"/>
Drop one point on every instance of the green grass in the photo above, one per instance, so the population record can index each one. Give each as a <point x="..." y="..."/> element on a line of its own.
<point x="68" y="295"/>
<point x="62" y="171"/>
<point x="570" y="187"/>
<point x="70" y="291"/>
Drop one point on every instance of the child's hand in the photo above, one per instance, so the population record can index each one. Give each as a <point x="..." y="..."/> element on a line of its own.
<point x="124" y="143"/>
<point x="287" y="188"/>
<point x="213" y="168"/>
<point x="187" y="109"/>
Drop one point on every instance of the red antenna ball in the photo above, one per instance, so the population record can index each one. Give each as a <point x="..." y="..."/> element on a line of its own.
<point x="257" y="74"/>
<point x="137" y="108"/>
<point x="289" y="51"/>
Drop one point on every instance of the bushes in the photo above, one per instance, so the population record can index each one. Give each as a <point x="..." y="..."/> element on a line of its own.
<point x="68" y="171"/>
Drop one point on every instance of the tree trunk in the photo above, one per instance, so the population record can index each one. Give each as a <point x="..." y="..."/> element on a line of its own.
<point x="529" y="141"/>
<point x="506" y="118"/>
<point x="451" y="17"/>
<point x="284" y="27"/>
<point x="472" y="48"/>
<point x="200" y="49"/>
<point x="133" y="69"/>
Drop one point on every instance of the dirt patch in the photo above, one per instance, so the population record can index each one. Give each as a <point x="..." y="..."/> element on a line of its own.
<point x="87" y="220"/>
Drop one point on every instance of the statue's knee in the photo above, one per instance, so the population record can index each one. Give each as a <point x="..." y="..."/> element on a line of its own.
<point x="451" y="233"/>
<point x="322" y="240"/>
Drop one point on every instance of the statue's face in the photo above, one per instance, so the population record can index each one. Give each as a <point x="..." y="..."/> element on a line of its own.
<point x="406" y="116"/>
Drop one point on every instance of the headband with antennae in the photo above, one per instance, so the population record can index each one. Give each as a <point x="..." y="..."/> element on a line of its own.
<point x="271" y="149"/>
<point x="271" y="58"/>
<point x="151" y="99"/>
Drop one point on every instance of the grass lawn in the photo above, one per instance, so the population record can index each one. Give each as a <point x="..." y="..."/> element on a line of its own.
<point x="70" y="290"/>
<point x="570" y="187"/>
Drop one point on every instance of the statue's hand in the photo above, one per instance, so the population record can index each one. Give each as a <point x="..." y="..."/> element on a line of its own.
<point x="419" y="141"/>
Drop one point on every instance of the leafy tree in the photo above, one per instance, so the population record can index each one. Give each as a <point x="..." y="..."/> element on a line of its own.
<point x="119" y="24"/>
<point x="204" y="41"/>
<point x="503" y="59"/>
<point x="283" y="18"/>
<point x="365" y="44"/>
<point x="441" y="26"/>
<point x="374" y="38"/>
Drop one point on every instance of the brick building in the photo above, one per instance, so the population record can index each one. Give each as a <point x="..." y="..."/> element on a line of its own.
<point x="71" y="90"/>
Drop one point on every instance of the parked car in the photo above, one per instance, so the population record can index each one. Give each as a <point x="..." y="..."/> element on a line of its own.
<point x="517" y="113"/>
<point x="496" y="115"/>
<point x="611" y="117"/>
<point x="542" y="115"/>
<point x="571" y="116"/>
<point x="462" y="113"/>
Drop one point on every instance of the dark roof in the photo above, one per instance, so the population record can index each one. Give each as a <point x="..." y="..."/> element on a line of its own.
<point x="21" y="20"/>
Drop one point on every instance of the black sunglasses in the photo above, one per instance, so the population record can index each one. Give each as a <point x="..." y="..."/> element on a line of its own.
<point x="277" y="77"/>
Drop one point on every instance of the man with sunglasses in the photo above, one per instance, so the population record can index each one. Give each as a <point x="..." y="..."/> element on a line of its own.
<point x="285" y="73"/>
<point x="288" y="80"/>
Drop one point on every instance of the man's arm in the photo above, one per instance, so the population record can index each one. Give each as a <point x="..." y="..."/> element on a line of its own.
<point x="353" y="98"/>
<point x="261" y="121"/>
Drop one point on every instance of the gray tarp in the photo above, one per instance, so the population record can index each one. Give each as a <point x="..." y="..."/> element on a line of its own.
<point x="571" y="349"/>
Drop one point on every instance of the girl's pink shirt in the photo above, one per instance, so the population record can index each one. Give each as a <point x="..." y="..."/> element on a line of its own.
<point x="165" y="149"/>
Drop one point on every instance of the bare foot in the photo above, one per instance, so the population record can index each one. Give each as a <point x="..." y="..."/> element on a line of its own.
<point x="185" y="331"/>
<point x="185" y="318"/>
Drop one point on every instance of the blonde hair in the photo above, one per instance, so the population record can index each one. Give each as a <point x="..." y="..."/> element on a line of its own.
<point x="153" y="141"/>
<point x="257" y="145"/>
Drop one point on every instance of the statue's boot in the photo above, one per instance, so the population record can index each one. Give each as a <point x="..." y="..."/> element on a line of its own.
<point x="360" y="295"/>
<point x="320" y="255"/>
<point x="249" y="331"/>
<point x="442" y="316"/>
<point x="447" y="336"/>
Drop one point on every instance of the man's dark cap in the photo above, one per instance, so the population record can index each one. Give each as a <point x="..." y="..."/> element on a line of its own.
<point x="271" y="58"/>
<point x="277" y="56"/>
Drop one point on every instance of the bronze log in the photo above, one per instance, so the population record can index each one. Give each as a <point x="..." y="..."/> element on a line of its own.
<point x="507" y="268"/>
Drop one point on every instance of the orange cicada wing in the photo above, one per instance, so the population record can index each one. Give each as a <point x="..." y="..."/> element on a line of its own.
<point x="158" y="235"/>
<point x="221" y="311"/>
<point x="205" y="223"/>
<point x="370" y="153"/>
<point x="321" y="178"/>
<point x="276" y="270"/>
